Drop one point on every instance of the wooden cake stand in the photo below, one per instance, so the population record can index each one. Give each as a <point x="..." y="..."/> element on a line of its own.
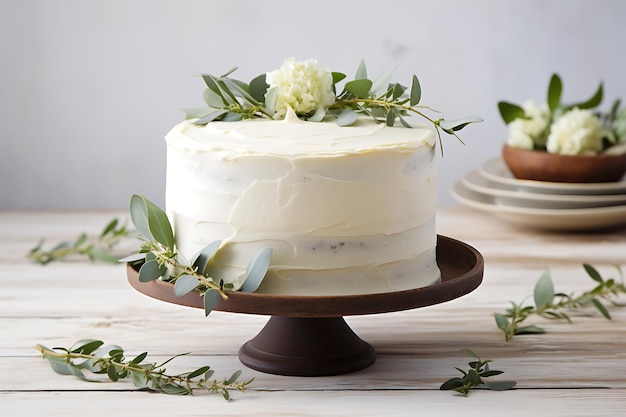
<point x="307" y="335"/>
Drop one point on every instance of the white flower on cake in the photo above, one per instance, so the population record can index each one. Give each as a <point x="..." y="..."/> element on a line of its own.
<point x="526" y="132"/>
<point x="572" y="129"/>
<point x="302" y="85"/>
<point x="577" y="132"/>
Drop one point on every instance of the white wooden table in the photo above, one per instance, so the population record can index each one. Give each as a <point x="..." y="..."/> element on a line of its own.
<point x="574" y="370"/>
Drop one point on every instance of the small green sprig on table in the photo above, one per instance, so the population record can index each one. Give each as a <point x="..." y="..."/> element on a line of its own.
<point x="549" y="304"/>
<point x="95" y="357"/>
<point x="474" y="377"/>
<point x="95" y="248"/>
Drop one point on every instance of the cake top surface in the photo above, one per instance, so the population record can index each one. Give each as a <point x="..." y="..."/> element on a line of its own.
<point x="293" y="136"/>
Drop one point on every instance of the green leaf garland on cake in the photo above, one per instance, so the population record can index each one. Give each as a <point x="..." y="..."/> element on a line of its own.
<point x="310" y="91"/>
<point x="158" y="258"/>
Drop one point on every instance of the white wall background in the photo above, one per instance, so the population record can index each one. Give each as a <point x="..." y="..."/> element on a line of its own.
<point x="88" y="89"/>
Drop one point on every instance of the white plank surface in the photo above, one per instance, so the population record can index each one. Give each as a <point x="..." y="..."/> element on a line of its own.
<point x="575" y="369"/>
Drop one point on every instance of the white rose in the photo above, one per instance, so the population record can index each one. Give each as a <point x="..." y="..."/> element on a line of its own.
<point x="525" y="133"/>
<point x="576" y="132"/>
<point x="302" y="85"/>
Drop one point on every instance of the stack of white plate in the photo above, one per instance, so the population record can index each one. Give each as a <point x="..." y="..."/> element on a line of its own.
<point x="547" y="205"/>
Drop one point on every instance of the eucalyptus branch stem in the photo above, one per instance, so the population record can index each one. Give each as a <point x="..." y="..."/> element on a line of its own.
<point x="387" y="104"/>
<point x="549" y="304"/>
<point x="165" y="258"/>
<point x="94" y="356"/>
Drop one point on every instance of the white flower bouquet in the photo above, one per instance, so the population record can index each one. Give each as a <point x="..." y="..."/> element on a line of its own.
<point x="565" y="142"/>
<point x="573" y="129"/>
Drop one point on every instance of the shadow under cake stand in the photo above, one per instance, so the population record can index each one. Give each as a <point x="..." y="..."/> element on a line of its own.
<point x="307" y="335"/>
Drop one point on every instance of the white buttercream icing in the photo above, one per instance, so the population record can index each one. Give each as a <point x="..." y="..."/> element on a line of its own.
<point x="346" y="209"/>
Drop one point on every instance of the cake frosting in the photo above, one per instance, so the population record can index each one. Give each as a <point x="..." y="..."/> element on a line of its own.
<point x="347" y="210"/>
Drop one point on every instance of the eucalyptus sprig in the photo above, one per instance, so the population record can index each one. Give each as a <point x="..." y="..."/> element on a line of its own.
<point x="94" y="247"/>
<point x="159" y="258"/>
<point x="473" y="378"/>
<point x="549" y="304"/>
<point x="229" y="99"/>
<point x="95" y="357"/>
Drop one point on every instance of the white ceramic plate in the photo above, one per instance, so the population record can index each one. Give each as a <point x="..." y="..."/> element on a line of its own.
<point x="550" y="219"/>
<point x="497" y="171"/>
<point x="509" y="195"/>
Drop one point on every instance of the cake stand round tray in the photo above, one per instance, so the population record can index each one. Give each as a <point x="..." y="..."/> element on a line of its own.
<point x="307" y="335"/>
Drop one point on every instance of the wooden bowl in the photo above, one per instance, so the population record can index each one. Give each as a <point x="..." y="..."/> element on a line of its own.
<point x="544" y="166"/>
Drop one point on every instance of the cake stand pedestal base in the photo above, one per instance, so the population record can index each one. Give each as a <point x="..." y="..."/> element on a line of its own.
<point x="307" y="335"/>
<point x="307" y="346"/>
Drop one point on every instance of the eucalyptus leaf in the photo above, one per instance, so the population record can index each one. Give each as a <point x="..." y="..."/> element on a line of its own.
<point x="592" y="102"/>
<point x="173" y="389"/>
<point x="554" y="92"/>
<point x="211" y="299"/>
<point x="347" y="117"/>
<point x="593" y="273"/>
<point x="139" y="216"/>
<point x="359" y="87"/>
<point x="270" y="100"/>
<point x="150" y="271"/>
<point x="86" y="346"/>
<point x="256" y="270"/>
<point x="139" y="358"/>
<point x="404" y="122"/>
<point x="381" y="83"/>
<point x="59" y="367"/>
<point x="318" y="116"/>
<point x="112" y="373"/>
<point x="185" y="284"/>
<point x="77" y="372"/>
<point x="500" y="385"/>
<point x="361" y="71"/>
<point x="211" y="82"/>
<point x="501" y="321"/>
<point x="233" y="377"/>
<point x="239" y="91"/>
<point x="159" y="224"/>
<point x="416" y="91"/>
<point x="532" y="329"/>
<point x="489" y="373"/>
<point x="139" y="379"/>
<point x="210" y="117"/>
<point x="204" y="256"/>
<point x="258" y="88"/>
<point x="182" y="260"/>
<point x="110" y="227"/>
<point x="198" y="372"/>
<point x="601" y="308"/>
<point x="510" y="111"/>
<point x="397" y="91"/>
<point x="338" y="76"/>
<point x="82" y="238"/>
<point x="213" y="99"/>
<point x="458" y="124"/>
<point x="391" y="118"/>
<point x="544" y="291"/>
<point x="452" y="383"/>
<point x="232" y="117"/>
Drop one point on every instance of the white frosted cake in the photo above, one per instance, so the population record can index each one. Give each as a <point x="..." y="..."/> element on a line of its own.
<point x="347" y="210"/>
